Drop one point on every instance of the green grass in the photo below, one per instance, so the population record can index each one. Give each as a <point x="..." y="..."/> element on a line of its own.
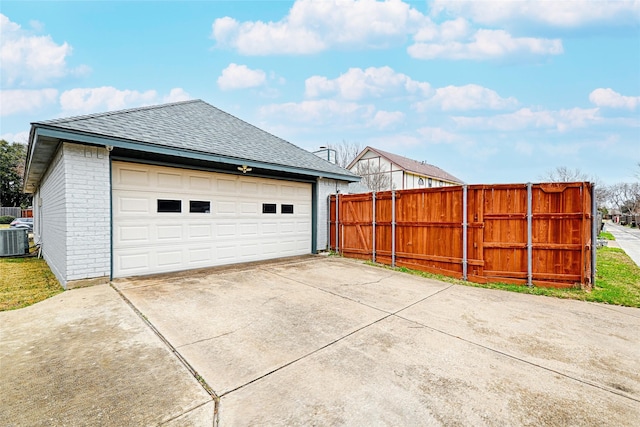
<point x="617" y="281"/>
<point x="606" y="236"/>
<point x="25" y="281"/>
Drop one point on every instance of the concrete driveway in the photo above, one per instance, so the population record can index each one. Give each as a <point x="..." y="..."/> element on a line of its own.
<point x="84" y="358"/>
<point x="330" y="341"/>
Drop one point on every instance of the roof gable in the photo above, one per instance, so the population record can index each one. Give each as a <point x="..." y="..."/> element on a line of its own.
<point x="410" y="165"/>
<point x="199" y="128"/>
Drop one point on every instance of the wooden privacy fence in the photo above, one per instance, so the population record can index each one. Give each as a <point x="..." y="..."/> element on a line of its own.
<point x="534" y="234"/>
<point x="8" y="211"/>
<point x="15" y="212"/>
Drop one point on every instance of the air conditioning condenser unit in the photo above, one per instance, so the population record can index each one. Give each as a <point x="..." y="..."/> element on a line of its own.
<point x="14" y="241"/>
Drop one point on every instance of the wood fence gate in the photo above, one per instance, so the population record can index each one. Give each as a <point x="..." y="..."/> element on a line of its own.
<point x="535" y="234"/>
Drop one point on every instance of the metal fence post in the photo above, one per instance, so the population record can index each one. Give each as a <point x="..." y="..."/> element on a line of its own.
<point x="328" y="236"/>
<point x="464" y="232"/>
<point x="393" y="228"/>
<point x="337" y="221"/>
<point x="529" y="236"/>
<point x="594" y="233"/>
<point x="373" y="228"/>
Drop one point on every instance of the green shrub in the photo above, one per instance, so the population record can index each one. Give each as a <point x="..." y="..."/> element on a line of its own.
<point x="6" y="219"/>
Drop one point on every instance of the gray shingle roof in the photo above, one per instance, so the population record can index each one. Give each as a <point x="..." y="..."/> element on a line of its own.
<point x="198" y="127"/>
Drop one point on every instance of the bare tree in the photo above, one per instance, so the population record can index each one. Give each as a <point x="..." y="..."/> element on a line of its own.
<point x="625" y="197"/>
<point x="603" y="195"/>
<point x="375" y="177"/>
<point x="345" y="152"/>
<point x="565" y="174"/>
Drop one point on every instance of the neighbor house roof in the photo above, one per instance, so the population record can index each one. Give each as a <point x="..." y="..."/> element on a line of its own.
<point x="192" y="129"/>
<point x="410" y="165"/>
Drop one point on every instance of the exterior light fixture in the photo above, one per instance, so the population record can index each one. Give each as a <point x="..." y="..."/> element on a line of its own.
<point x="244" y="169"/>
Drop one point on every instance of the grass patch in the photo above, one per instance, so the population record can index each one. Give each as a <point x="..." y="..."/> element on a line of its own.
<point x="25" y="281"/>
<point x="4" y="226"/>
<point x="617" y="281"/>
<point x="605" y="235"/>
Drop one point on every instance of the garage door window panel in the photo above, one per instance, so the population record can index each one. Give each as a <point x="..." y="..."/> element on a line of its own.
<point x="269" y="208"/>
<point x="286" y="209"/>
<point x="199" y="206"/>
<point x="170" y="206"/>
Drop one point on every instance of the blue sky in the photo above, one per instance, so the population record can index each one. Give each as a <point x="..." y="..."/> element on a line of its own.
<point x="492" y="92"/>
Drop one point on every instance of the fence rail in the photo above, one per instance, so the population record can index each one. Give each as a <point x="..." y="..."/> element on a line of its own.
<point x="535" y="234"/>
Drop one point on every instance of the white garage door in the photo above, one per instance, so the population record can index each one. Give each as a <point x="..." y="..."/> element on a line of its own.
<point x="170" y="219"/>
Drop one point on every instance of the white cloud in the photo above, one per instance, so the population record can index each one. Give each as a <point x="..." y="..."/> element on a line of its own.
<point x="26" y="101"/>
<point x="449" y="30"/>
<point x="561" y="14"/>
<point x="372" y="82"/>
<point x="177" y="94"/>
<point x="27" y="59"/>
<point x="612" y="99"/>
<point x="398" y="143"/>
<point x="107" y="98"/>
<point x="576" y="118"/>
<point x="564" y="150"/>
<point x="386" y="119"/>
<point x="259" y="38"/>
<point x="434" y="135"/>
<point x="468" y="97"/>
<point x="525" y="118"/>
<point x="240" y="77"/>
<point x="328" y="113"/>
<point x="321" y="112"/>
<point x="484" y="44"/>
<point x="22" y="137"/>
<point x="315" y="26"/>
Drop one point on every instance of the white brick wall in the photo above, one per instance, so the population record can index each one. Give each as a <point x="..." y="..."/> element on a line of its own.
<point x="75" y="220"/>
<point x="50" y="213"/>
<point x="326" y="187"/>
<point x="88" y="211"/>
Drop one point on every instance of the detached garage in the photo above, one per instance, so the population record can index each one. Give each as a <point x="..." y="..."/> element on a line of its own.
<point x="171" y="187"/>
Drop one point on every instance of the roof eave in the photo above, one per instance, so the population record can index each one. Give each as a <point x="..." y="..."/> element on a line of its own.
<point x="359" y="156"/>
<point x="40" y="130"/>
<point x="404" y="169"/>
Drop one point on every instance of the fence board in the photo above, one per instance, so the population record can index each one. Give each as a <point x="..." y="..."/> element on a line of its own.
<point x="429" y="231"/>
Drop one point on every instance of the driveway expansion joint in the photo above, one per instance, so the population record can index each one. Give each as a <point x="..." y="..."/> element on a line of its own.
<point x="317" y="350"/>
<point x="167" y="421"/>
<point x="192" y="371"/>
<point x="330" y="292"/>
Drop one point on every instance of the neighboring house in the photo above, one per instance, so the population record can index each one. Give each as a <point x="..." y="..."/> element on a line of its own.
<point x="614" y="215"/>
<point x="171" y="187"/>
<point x="382" y="171"/>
